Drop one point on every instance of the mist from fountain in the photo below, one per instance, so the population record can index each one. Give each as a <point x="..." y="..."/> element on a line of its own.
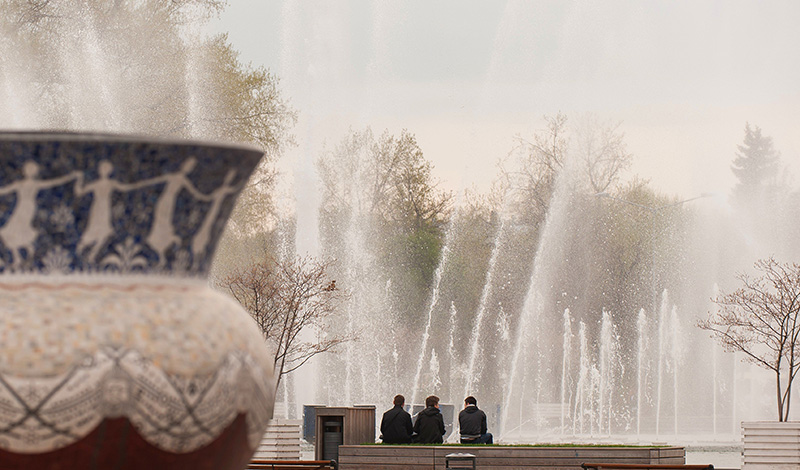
<point x="79" y="66"/>
<point x="368" y="295"/>
<point x="510" y="356"/>
<point x="637" y="386"/>
<point x="532" y="329"/>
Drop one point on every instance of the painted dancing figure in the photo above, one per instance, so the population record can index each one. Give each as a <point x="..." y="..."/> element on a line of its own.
<point x="99" y="228"/>
<point x="203" y="235"/>
<point x="18" y="232"/>
<point x="162" y="233"/>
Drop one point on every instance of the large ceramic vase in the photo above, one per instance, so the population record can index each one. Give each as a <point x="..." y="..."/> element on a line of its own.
<point x="114" y="352"/>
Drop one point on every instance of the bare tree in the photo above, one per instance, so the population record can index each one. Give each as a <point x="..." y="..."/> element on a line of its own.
<point x="602" y="150"/>
<point x="534" y="165"/>
<point x="761" y="319"/>
<point x="290" y="301"/>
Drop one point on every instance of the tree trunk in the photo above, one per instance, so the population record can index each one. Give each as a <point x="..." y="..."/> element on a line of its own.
<point x="787" y="399"/>
<point x="779" y="395"/>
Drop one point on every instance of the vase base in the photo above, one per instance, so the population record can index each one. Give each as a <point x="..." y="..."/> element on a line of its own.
<point x="116" y="445"/>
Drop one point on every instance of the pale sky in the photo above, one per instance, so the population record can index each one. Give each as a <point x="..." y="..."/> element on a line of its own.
<point x="467" y="76"/>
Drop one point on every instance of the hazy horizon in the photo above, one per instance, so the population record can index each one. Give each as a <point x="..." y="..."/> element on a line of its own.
<point x="681" y="79"/>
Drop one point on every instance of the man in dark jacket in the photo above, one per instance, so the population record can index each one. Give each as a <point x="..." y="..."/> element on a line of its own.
<point x="472" y="424"/>
<point x="429" y="427"/>
<point x="396" y="424"/>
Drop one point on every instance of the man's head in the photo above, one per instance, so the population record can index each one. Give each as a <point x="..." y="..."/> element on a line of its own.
<point x="432" y="400"/>
<point x="470" y="400"/>
<point x="399" y="400"/>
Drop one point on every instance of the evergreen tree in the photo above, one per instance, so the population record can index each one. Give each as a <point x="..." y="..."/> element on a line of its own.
<point x="757" y="167"/>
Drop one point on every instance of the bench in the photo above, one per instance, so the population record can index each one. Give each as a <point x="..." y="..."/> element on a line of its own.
<point x="292" y="465"/>
<point x="498" y="457"/>
<point x="642" y="466"/>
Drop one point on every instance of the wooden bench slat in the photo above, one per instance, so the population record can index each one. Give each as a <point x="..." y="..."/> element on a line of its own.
<point x="637" y="466"/>
<point x="260" y="464"/>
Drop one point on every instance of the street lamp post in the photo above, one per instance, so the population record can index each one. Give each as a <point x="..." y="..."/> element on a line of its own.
<point x="654" y="211"/>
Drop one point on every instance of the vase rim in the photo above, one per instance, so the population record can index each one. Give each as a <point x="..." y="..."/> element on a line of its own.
<point x="118" y="137"/>
<point x="81" y="202"/>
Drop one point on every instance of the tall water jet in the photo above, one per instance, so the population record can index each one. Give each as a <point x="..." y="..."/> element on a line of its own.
<point x="451" y="353"/>
<point x="715" y="364"/>
<point x="583" y="395"/>
<point x="475" y="336"/>
<point x="196" y="105"/>
<point x="662" y="319"/>
<point x="641" y="327"/>
<point x="349" y="237"/>
<point x="549" y="251"/>
<point x="355" y="276"/>
<point x="437" y="280"/>
<point x="675" y="356"/>
<point x="565" y="366"/>
<point x="608" y="353"/>
<point x="357" y="372"/>
<point x="16" y="88"/>
<point x="98" y="70"/>
<point x="435" y="372"/>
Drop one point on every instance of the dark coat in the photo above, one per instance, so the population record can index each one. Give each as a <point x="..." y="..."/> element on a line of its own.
<point x="472" y="422"/>
<point x="396" y="426"/>
<point x="429" y="427"/>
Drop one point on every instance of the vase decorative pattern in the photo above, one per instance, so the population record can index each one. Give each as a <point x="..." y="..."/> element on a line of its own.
<point x="115" y="352"/>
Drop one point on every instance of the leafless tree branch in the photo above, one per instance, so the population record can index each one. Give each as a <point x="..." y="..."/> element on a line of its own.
<point x="289" y="300"/>
<point x="761" y="319"/>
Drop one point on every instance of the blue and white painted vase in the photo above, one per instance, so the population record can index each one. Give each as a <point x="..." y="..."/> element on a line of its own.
<point x="114" y="352"/>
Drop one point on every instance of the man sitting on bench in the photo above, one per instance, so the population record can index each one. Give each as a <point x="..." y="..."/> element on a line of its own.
<point x="472" y="424"/>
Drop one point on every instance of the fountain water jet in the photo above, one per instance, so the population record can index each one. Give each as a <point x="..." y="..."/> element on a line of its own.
<point x="451" y="352"/>
<point x="437" y="280"/>
<point x="641" y="327"/>
<point x="662" y="319"/>
<point x="529" y="328"/>
<point x="475" y="336"/>
<point x="608" y="353"/>
<point x="565" y="366"/>
<point x="675" y="355"/>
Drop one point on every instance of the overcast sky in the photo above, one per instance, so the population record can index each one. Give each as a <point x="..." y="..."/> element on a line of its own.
<point x="467" y="76"/>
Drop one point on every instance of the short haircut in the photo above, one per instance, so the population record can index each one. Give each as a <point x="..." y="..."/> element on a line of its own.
<point x="399" y="400"/>
<point x="470" y="400"/>
<point x="432" y="400"/>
